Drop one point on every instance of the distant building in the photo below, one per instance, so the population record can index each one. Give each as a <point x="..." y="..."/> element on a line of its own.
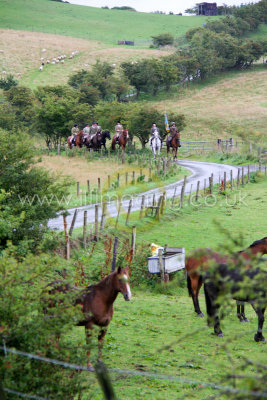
<point x="209" y="9"/>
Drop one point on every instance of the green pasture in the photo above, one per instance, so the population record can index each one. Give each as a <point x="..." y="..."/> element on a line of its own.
<point x="158" y="332"/>
<point x="107" y="26"/>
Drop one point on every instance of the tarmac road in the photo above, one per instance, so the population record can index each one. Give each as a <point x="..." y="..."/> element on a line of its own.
<point x="200" y="172"/>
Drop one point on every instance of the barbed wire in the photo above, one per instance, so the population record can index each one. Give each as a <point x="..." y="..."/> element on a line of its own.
<point x="143" y="374"/>
<point x="25" y="395"/>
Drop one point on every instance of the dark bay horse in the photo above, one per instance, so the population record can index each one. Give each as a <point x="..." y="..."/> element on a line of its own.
<point x="98" y="141"/>
<point x="174" y="143"/>
<point x="97" y="302"/>
<point x="121" y="140"/>
<point x="78" y="140"/>
<point x="242" y="284"/>
<point x="201" y="260"/>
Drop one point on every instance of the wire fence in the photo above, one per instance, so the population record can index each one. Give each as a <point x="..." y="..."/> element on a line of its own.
<point x="128" y="372"/>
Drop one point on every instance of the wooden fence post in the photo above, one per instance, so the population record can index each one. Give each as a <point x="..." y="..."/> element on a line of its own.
<point x="142" y="207"/>
<point x="163" y="202"/>
<point x="231" y="179"/>
<point x="133" y="179"/>
<point x="58" y="149"/>
<point x="238" y="177"/>
<point x="126" y="178"/>
<point x="161" y="267"/>
<point x="115" y="247"/>
<point x="88" y="186"/>
<point x="158" y="208"/>
<point x="224" y="180"/>
<point x="73" y="222"/>
<point x="182" y="192"/>
<point x="190" y="193"/>
<point x="242" y="177"/>
<point x="67" y="239"/>
<point x="78" y="189"/>
<point x="84" y="228"/>
<point x="129" y="212"/>
<point x="118" y="180"/>
<point x="96" y="223"/>
<point x="109" y="184"/>
<point x="99" y="184"/>
<point x="103" y="216"/>
<point x="197" y="192"/>
<point x="248" y="173"/>
<point x="133" y="241"/>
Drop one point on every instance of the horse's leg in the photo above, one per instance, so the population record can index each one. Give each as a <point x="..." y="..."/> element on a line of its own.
<point x="196" y="285"/>
<point x="88" y="338"/>
<point x="212" y="311"/>
<point x="240" y="307"/>
<point x="101" y="336"/>
<point x="258" y="337"/>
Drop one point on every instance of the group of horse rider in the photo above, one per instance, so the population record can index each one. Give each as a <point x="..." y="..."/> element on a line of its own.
<point x="90" y="131"/>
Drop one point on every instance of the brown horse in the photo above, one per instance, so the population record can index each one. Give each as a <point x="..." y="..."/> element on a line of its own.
<point x="121" y="140"/>
<point x="78" y="140"/>
<point x="201" y="259"/>
<point x="174" y="142"/>
<point x="97" y="302"/>
<point x="98" y="141"/>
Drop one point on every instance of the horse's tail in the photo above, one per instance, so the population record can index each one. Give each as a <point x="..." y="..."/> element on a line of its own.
<point x="113" y="144"/>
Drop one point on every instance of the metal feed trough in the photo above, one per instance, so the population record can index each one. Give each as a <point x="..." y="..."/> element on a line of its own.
<point x="173" y="260"/>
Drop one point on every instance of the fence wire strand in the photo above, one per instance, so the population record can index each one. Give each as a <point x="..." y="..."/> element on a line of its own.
<point x="142" y="374"/>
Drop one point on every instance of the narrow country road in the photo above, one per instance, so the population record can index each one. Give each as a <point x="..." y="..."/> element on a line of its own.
<point x="200" y="172"/>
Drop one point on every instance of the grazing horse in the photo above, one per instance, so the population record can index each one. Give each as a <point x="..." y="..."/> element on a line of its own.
<point x="97" y="302"/>
<point x="242" y="284"/>
<point x="98" y="141"/>
<point x="155" y="143"/>
<point x="78" y="140"/>
<point x="202" y="258"/>
<point x="121" y="140"/>
<point x="174" y="142"/>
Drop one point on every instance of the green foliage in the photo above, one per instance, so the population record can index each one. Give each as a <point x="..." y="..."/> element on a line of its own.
<point x="8" y="82"/>
<point x="164" y="39"/>
<point x="25" y="327"/>
<point x="22" y="101"/>
<point x="30" y="195"/>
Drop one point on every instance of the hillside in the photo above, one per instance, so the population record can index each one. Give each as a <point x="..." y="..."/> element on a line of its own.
<point x="107" y="26"/>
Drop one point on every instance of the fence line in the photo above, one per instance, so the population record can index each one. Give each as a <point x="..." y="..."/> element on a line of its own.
<point x="152" y="375"/>
<point x="25" y="395"/>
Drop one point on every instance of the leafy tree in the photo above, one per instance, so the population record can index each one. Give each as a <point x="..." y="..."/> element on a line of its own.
<point x="30" y="193"/>
<point x="164" y="39"/>
<point x="141" y="118"/>
<point x="108" y="114"/>
<point x="8" y="82"/>
<point x="25" y="328"/>
<point x="22" y="101"/>
<point x="8" y="118"/>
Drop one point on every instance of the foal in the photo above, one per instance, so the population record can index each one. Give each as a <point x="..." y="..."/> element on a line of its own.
<point x="97" y="304"/>
<point x="96" y="301"/>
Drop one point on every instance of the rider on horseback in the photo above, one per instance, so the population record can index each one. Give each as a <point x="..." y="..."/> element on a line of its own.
<point x="74" y="133"/>
<point x="173" y="132"/>
<point x="154" y="131"/>
<point x="118" y="130"/>
<point x="86" y="131"/>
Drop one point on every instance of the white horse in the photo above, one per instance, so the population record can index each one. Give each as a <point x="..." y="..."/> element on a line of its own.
<point x="155" y="143"/>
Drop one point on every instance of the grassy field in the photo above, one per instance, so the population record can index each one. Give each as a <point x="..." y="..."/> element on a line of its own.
<point x="81" y="170"/>
<point x="157" y="331"/>
<point x="229" y="105"/>
<point x="106" y="26"/>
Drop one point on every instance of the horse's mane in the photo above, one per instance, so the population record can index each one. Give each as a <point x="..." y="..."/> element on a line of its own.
<point x="260" y="241"/>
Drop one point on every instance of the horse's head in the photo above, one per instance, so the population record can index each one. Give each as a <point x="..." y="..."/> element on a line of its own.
<point x="107" y="135"/>
<point x="123" y="277"/>
<point x="259" y="246"/>
<point x="125" y="133"/>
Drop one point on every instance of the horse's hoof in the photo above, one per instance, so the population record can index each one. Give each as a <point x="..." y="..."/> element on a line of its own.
<point x="90" y="368"/>
<point x="220" y="334"/>
<point x="200" y="315"/>
<point x="244" y="320"/>
<point x="259" y="338"/>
